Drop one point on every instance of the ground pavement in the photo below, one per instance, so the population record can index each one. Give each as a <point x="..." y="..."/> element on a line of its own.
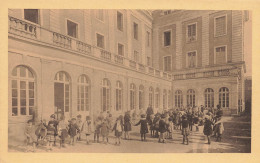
<point x="233" y="142"/>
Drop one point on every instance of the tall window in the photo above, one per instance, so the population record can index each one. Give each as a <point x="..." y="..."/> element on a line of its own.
<point x="151" y="92"/>
<point x="147" y="38"/>
<point x="220" y="54"/>
<point x="191" y="97"/>
<point x="23" y="91"/>
<point x="135" y="31"/>
<point x="157" y="98"/>
<point x="32" y="15"/>
<point x="209" y="97"/>
<point x="192" y="59"/>
<point x="100" y="14"/>
<point x="224" y="97"/>
<point x="119" y="96"/>
<point x="120" y="49"/>
<point x="220" y="26"/>
<point x="119" y="21"/>
<point x="169" y="98"/>
<point x="191" y="32"/>
<point x="141" y="97"/>
<point x="62" y="93"/>
<point x="164" y="99"/>
<point x="83" y="93"/>
<point x="167" y="38"/>
<point x="72" y="29"/>
<point x="167" y="63"/>
<point x="105" y="95"/>
<point x="100" y="41"/>
<point x="132" y="96"/>
<point x="178" y="98"/>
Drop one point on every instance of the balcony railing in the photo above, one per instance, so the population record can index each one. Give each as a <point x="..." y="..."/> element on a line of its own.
<point x="208" y="74"/>
<point x="223" y="72"/>
<point x="190" y="76"/>
<point x="178" y="77"/>
<point x="24" y="28"/>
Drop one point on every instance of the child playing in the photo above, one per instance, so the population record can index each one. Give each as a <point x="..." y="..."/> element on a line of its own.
<point x="86" y="129"/>
<point x="162" y="129"/>
<point x="185" y="129"/>
<point x="50" y="135"/>
<point x="104" y="130"/>
<point x="30" y="134"/>
<point x="73" y="130"/>
<point x="79" y="123"/>
<point x="118" y="128"/>
<point x="62" y="131"/>
<point x="143" y="128"/>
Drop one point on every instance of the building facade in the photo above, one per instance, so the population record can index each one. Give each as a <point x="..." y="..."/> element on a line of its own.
<point x="204" y="51"/>
<point x="89" y="61"/>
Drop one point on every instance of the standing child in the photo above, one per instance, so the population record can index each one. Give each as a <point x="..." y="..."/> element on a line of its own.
<point x="118" y="128"/>
<point x="55" y="125"/>
<point x="171" y="127"/>
<point x="30" y="134"/>
<point x="219" y="129"/>
<point x="207" y="128"/>
<point x="86" y="129"/>
<point x="162" y="129"/>
<point x="143" y="128"/>
<point x="50" y="135"/>
<point x="41" y="132"/>
<point x="62" y="131"/>
<point x="97" y="124"/>
<point x="127" y="124"/>
<point x="104" y="130"/>
<point x="79" y="124"/>
<point x="185" y="129"/>
<point x="196" y="122"/>
<point x="73" y="130"/>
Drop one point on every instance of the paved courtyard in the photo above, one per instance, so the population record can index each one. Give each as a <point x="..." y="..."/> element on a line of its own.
<point x="236" y="139"/>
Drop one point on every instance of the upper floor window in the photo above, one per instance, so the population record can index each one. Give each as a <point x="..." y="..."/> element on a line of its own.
<point x="100" y="15"/>
<point x="220" y="55"/>
<point x="191" y="32"/>
<point x="167" y="38"/>
<point x="220" y="26"/>
<point x="120" y="50"/>
<point x="72" y="29"/>
<point x="136" y="31"/>
<point x="119" y="21"/>
<point x="192" y="59"/>
<point x="167" y="63"/>
<point x="148" y="38"/>
<point x="32" y="15"/>
<point x="100" y="41"/>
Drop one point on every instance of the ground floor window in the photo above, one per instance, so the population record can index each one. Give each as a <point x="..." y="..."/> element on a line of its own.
<point x="191" y="97"/>
<point x="119" y="96"/>
<point x="209" y="97"/>
<point x="178" y="98"/>
<point x="141" y="97"/>
<point x="224" y="97"/>
<point x="157" y="98"/>
<point x="105" y="95"/>
<point x="164" y="99"/>
<point x="151" y="96"/>
<point x="83" y="93"/>
<point x="132" y="97"/>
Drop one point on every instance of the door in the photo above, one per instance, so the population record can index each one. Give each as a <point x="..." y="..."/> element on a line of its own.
<point x="59" y="100"/>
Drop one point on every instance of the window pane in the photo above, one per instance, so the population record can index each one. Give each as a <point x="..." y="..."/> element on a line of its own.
<point x="31" y="102"/>
<point x="31" y="85"/>
<point x="31" y="15"/>
<point x="31" y="94"/>
<point x="67" y="87"/>
<point x="14" y="92"/>
<point x="23" y="111"/>
<point x="23" y="102"/>
<point x="14" y="112"/>
<point x="167" y="38"/>
<point x="14" y="101"/>
<point x="14" y="84"/>
<point x="100" y="41"/>
<point x="22" y="85"/>
<point x="23" y="94"/>
<point x="30" y="110"/>
<point x="72" y="28"/>
<point x="22" y="71"/>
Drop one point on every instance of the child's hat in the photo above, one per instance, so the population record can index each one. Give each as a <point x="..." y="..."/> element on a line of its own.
<point x="52" y="116"/>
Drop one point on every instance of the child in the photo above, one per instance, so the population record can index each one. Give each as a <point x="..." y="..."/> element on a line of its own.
<point x="171" y="127"/>
<point x="97" y="124"/>
<point x="196" y="122"/>
<point x="79" y="123"/>
<point x="207" y="128"/>
<point x="62" y="131"/>
<point x="50" y="135"/>
<point x="41" y="132"/>
<point x="185" y="129"/>
<point x="55" y="125"/>
<point x="127" y="124"/>
<point x="151" y="125"/>
<point x="30" y="134"/>
<point x="104" y="130"/>
<point x="73" y="130"/>
<point x="162" y="129"/>
<point x="143" y="128"/>
<point x="219" y="129"/>
<point x="86" y="129"/>
<point x="118" y="128"/>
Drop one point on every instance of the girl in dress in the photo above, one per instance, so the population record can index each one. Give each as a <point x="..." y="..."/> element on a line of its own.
<point x="50" y="135"/>
<point x="208" y="128"/>
<point x="62" y="131"/>
<point x="127" y="124"/>
<point x="104" y="130"/>
<point x="143" y="128"/>
<point x="79" y="124"/>
<point x="118" y="128"/>
<point x="86" y="129"/>
<point x="219" y="129"/>
<point x="73" y="130"/>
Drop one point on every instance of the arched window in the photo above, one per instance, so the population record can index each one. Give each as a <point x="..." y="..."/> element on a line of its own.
<point x="83" y="93"/>
<point x="209" y="97"/>
<point x="151" y="92"/>
<point x="224" y="97"/>
<point x="178" y="98"/>
<point x="62" y="93"/>
<point x="164" y="99"/>
<point x="23" y="91"/>
<point x="119" y="96"/>
<point x="141" y="97"/>
<point x="132" y="96"/>
<point x="105" y="95"/>
<point x="157" y="98"/>
<point x="191" y="97"/>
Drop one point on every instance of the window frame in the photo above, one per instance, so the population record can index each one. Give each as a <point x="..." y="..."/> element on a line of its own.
<point x="86" y="99"/>
<point x="163" y="37"/>
<point x="133" y="97"/>
<point x="77" y="29"/>
<point x="141" y="102"/>
<point x="151" y="97"/>
<point x="215" y="55"/>
<point x="170" y="63"/>
<point x="220" y="94"/>
<point x="225" y="15"/>
<point x="187" y="32"/>
<point x="136" y="34"/>
<point x="108" y="93"/>
<point x="178" y="98"/>
<point x="97" y="33"/>
<point x="209" y="98"/>
<point x="191" y="97"/>
<point x="40" y="23"/>
<point x="118" y="49"/>
<point x="148" y="37"/>
<point x="119" y="89"/>
<point x="187" y="59"/>
<point x="122" y="21"/>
